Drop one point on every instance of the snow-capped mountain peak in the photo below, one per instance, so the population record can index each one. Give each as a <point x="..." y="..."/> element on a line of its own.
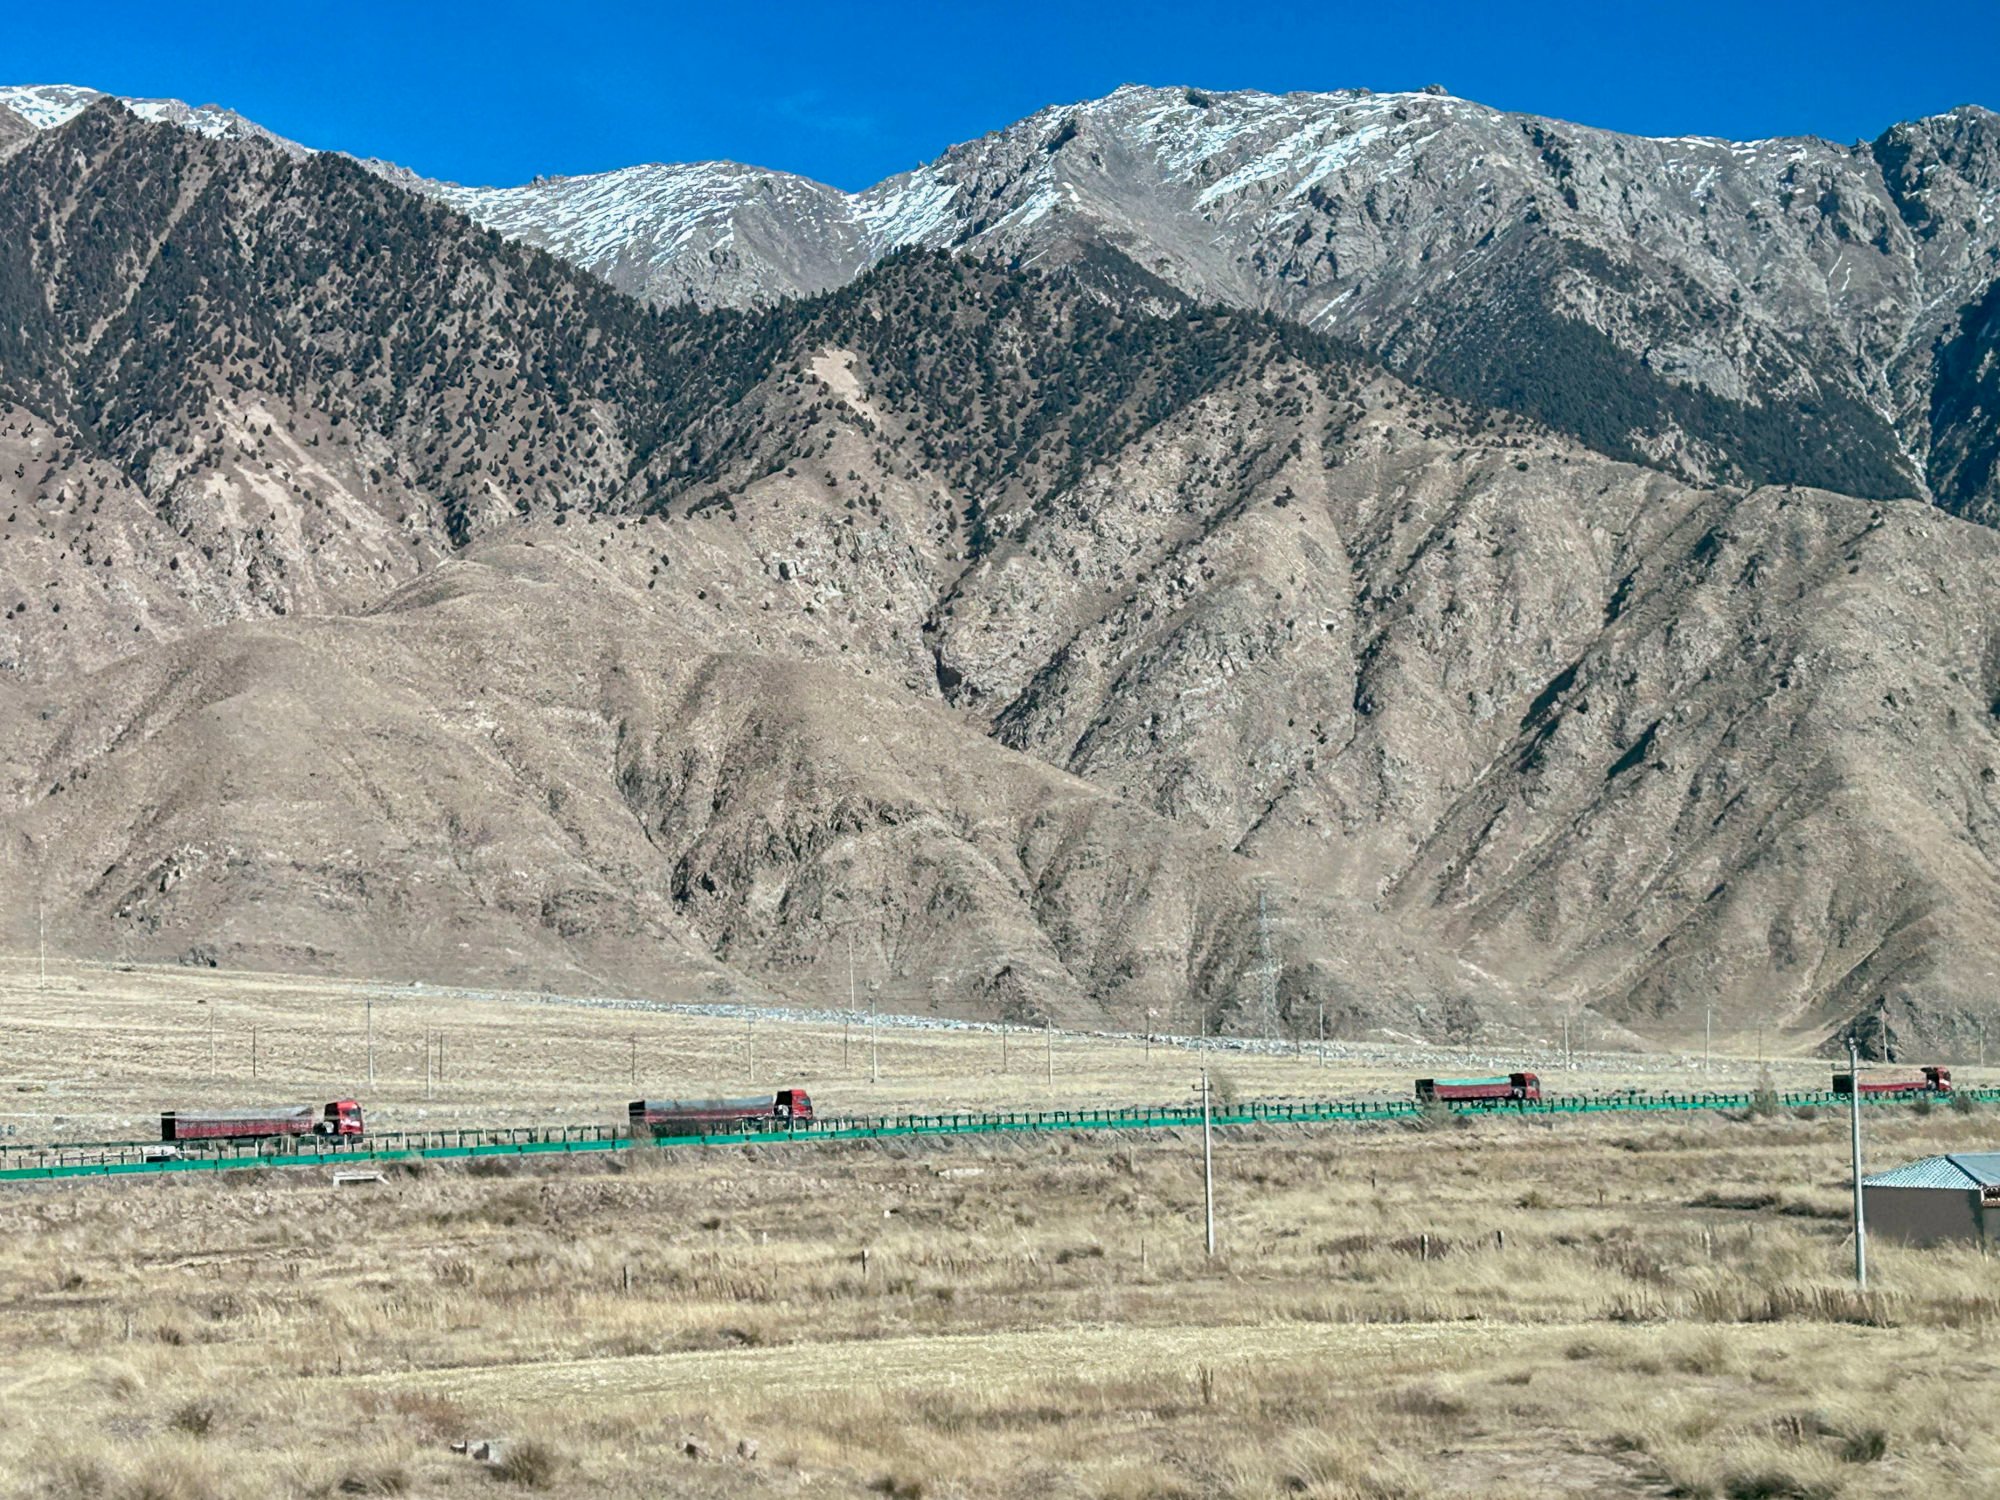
<point x="47" y="106"/>
<point x="1706" y="277"/>
<point x="713" y="232"/>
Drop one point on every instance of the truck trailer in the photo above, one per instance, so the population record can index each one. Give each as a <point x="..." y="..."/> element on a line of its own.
<point x="1509" y="1088"/>
<point x="1911" y="1081"/>
<point x="658" y="1117"/>
<point x="341" y="1120"/>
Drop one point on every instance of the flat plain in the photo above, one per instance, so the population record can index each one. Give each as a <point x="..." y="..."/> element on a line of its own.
<point x="96" y="1051"/>
<point x="1631" y="1305"/>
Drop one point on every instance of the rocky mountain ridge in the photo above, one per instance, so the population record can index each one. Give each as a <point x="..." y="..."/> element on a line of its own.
<point x="392" y="598"/>
<point x="1787" y="309"/>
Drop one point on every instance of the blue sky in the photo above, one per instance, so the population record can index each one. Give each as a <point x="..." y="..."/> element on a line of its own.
<point x="849" y="93"/>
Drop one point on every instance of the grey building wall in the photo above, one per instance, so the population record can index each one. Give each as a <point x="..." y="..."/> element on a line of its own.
<point x="1922" y="1216"/>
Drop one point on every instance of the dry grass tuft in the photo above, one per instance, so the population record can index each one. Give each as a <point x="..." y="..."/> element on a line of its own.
<point x="373" y="1479"/>
<point x="1142" y="1480"/>
<point x="196" y="1418"/>
<point x="531" y="1463"/>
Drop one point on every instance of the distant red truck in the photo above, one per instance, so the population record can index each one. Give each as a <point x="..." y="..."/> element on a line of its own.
<point x="1509" y="1088"/>
<point x="657" y="1117"/>
<point x="341" y="1119"/>
<point x="1915" y="1081"/>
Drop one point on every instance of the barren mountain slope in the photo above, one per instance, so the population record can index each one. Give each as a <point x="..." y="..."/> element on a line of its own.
<point x="526" y="771"/>
<point x="464" y="619"/>
<point x="1602" y="736"/>
<point x="560" y="757"/>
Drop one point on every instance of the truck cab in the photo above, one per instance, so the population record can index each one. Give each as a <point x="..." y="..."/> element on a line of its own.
<point x="342" y="1119"/>
<point x="792" y="1106"/>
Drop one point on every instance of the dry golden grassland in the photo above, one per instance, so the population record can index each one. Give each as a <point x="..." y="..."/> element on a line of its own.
<point x="1622" y="1306"/>
<point x="99" y="1051"/>
<point x="1636" y="1305"/>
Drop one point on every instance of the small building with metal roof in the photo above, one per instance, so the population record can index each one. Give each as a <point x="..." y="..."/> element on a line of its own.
<point x="1935" y="1200"/>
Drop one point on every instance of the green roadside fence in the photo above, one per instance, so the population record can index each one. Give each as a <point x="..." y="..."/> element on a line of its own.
<point x="140" y="1158"/>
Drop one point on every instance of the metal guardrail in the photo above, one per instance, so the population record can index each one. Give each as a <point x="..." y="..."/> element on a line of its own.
<point x="19" y="1163"/>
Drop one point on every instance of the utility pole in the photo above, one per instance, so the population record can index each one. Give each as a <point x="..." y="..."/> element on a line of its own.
<point x="874" y="1041"/>
<point x="371" y="1042"/>
<point x="847" y="1025"/>
<point x="1049" y="1049"/>
<point x="253" y="1054"/>
<point x="429" y="1084"/>
<point x="750" y="1046"/>
<point x="1207" y="1165"/>
<point x="1267" y="998"/>
<point x="1322" y="1033"/>
<point x="1566" y="1056"/>
<point x="1854" y="1126"/>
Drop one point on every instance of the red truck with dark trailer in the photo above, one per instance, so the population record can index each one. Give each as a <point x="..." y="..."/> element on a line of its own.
<point x="1915" y="1081"/>
<point x="658" y="1117"/>
<point x="1509" y="1088"/>
<point x="340" y="1120"/>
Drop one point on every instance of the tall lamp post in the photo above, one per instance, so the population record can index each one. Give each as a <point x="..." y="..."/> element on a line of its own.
<point x="853" y="1004"/>
<point x="1207" y="1165"/>
<point x="1854" y="1131"/>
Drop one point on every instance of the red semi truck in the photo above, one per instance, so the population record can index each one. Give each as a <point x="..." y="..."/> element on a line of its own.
<point x="657" y="1117"/>
<point x="1915" y="1081"/>
<point x="1509" y="1088"/>
<point x="340" y="1119"/>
